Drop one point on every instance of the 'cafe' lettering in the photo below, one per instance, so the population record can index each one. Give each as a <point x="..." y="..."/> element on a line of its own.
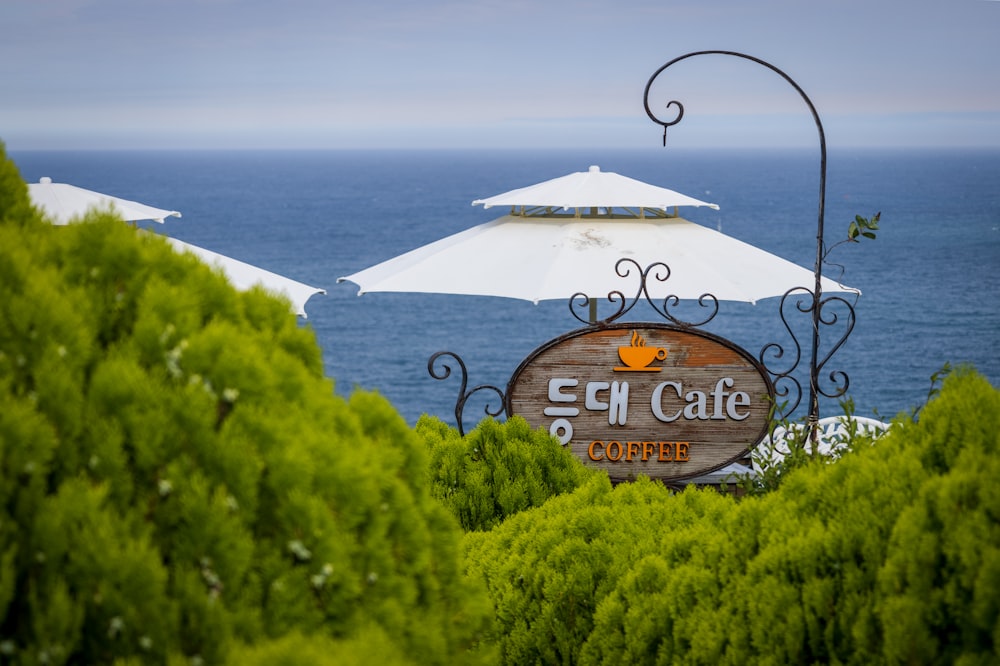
<point x="645" y="399"/>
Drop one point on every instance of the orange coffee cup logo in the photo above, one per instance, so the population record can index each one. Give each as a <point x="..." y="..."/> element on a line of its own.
<point x="637" y="355"/>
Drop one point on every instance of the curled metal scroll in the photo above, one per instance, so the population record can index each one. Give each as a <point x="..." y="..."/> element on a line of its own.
<point x="580" y="300"/>
<point x="661" y="272"/>
<point x="463" y="395"/>
<point x="772" y="356"/>
<point x="665" y="123"/>
<point x="658" y="271"/>
<point x="837" y="377"/>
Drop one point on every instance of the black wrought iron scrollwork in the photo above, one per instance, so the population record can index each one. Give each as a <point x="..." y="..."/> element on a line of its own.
<point x="839" y="378"/>
<point x="463" y="394"/>
<point x="658" y="271"/>
<point x="580" y="300"/>
<point x="704" y="301"/>
<point x="661" y="273"/>
<point x="665" y="123"/>
<point x="787" y="387"/>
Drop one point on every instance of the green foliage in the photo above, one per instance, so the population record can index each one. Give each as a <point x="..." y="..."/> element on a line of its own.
<point x="890" y="554"/>
<point x="939" y="584"/>
<point x="776" y="457"/>
<point x="863" y="226"/>
<point x="369" y="646"/>
<point x="790" y="447"/>
<point x="934" y="388"/>
<point x="15" y="207"/>
<point x="497" y="470"/>
<point x="180" y="484"/>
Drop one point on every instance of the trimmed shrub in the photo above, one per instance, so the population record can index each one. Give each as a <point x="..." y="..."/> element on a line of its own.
<point x="888" y="555"/>
<point x="549" y="569"/>
<point x="179" y="482"/>
<point x="938" y="588"/>
<point x="497" y="470"/>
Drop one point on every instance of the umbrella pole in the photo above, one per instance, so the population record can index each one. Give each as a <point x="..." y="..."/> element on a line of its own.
<point x="593" y="310"/>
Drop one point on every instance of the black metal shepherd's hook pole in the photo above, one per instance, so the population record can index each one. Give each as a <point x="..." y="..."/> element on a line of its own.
<point x="818" y="271"/>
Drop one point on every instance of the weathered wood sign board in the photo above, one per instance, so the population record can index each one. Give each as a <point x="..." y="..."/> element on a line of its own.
<point x="645" y="398"/>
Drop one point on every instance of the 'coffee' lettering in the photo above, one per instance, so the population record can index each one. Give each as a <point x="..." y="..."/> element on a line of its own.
<point x="615" y="451"/>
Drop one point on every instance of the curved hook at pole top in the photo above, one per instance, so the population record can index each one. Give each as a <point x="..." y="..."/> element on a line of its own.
<point x="818" y="271"/>
<point x="798" y="89"/>
<point x="786" y="77"/>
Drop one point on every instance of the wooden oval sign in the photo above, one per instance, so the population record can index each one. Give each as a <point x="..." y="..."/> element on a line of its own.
<point x="645" y="398"/>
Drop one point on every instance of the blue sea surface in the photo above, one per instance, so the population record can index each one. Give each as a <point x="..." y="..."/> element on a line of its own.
<point x="930" y="282"/>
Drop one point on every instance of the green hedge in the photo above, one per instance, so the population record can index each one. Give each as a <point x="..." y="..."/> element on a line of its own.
<point x="180" y="484"/>
<point x="497" y="469"/>
<point x="890" y="555"/>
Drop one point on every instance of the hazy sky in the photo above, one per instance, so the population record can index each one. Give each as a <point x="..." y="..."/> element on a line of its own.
<point x="484" y="73"/>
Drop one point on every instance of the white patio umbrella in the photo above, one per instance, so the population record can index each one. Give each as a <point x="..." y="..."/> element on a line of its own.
<point x="243" y="276"/>
<point x="62" y="203"/>
<point x="590" y="189"/>
<point x="540" y="251"/>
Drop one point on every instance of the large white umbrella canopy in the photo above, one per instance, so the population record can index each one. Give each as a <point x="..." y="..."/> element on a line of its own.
<point x="551" y="258"/>
<point x="244" y="276"/>
<point x="536" y="254"/>
<point x="62" y="203"/>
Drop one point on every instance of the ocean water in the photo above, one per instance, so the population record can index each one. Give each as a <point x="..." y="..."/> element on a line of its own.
<point x="930" y="282"/>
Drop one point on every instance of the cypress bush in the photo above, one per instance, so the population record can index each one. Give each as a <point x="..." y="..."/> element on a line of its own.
<point x="180" y="484"/>
<point x="938" y="589"/>
<point x="496" y="470"/>
<point x="889" y="555"/>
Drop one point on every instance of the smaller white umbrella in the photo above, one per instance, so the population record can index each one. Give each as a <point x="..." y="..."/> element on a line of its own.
<point x="62" y="203"/>
<point x="243" y="276"/>
<point x="593" y="189"/>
